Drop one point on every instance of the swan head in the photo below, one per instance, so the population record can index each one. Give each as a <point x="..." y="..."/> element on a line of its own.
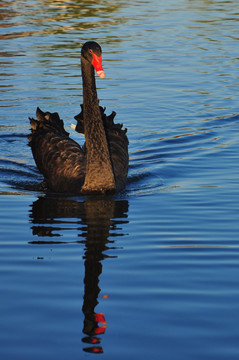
<point x="91" y="51"/>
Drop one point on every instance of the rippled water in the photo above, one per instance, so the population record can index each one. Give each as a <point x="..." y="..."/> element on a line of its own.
<point x="152" y="272"/>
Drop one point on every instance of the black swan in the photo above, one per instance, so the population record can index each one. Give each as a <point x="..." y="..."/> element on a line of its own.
<point x="101" y="165"/>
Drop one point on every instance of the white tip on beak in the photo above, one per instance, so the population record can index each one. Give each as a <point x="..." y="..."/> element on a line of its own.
<point x="101" y="74"/>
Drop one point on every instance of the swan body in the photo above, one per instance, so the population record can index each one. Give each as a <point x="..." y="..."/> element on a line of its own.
<point x="101" y="164"/>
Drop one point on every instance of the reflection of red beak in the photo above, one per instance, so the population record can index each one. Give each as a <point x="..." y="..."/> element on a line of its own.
<point x="97" y="350"/>
<point x="94" y="340"/>
<point x="94" y="350"/>
<point x="97" y="63"/>
<point x="100" y="330"/>
<point x="100" y="318"/>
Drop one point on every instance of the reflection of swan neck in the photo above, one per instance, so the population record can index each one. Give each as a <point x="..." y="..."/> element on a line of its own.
<point x="93" y="269"/>
<point x="100" y="218"/>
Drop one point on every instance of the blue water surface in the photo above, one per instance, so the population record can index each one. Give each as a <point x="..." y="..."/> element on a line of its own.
<point x="151" y="272"/>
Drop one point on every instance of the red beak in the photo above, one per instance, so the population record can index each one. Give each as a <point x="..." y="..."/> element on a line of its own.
<point x="97" y="63"/>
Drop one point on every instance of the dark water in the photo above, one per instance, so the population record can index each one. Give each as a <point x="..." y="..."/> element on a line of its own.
<point x="154" y="271"/>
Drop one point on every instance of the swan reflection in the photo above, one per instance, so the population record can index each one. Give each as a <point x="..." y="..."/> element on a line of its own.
<point x="94" y="221"/>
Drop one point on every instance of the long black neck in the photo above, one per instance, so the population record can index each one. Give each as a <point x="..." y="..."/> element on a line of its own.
<point x="99" y="174"/>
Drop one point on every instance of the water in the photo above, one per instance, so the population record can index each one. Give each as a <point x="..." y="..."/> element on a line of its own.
<point x="152" y="272"/>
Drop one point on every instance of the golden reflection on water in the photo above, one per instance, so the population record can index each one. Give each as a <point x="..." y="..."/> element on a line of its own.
<point x="50" y="17"/>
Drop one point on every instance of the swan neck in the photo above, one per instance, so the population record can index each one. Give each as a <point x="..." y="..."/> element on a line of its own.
<point x="90" y="98"/>
<point x="99" y="173"/>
